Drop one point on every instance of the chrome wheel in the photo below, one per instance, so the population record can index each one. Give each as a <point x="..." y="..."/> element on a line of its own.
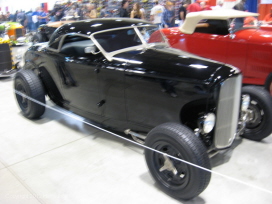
<point x="255" y="113"/>
<point x="259" y="113"/>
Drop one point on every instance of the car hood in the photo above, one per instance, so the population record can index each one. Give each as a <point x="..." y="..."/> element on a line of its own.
<point x="173" y="63"/>
<point x="266" y="27"/>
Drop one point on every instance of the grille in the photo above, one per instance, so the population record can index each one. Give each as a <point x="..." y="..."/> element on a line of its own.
<point x="19" y="32"/>
<point x="228" y="112"/>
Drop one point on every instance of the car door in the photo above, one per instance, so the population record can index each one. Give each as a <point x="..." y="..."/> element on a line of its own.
<point x="79" y="75"/>
<point x="111" y="85"/>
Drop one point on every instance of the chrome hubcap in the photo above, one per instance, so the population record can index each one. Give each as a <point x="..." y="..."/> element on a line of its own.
<point x="172" y="172"/>
<point x="255" y="115"/>
<point x="168" y="165"/>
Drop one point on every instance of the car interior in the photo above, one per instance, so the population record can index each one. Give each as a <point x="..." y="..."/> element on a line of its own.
<point x="74" y="45"/>
<point x="76" y="48"/>
<point x="110" y="41"/>
<point x="210" y="26"/>
<point x="118" y="39"/>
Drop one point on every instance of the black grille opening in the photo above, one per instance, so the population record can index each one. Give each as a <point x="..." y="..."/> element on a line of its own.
<point x="19" y="32"/>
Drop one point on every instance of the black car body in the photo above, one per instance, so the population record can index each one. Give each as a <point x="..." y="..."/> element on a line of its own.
<point x="45" y="31"/>
<point x="106" y="71"/>
<point x="154" y="70"/>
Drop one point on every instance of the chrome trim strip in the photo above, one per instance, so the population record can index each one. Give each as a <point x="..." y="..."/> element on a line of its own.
<point x="109" y="55"/>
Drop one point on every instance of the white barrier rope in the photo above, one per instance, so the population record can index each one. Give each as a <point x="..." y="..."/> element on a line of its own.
<point x="146" y="147"/>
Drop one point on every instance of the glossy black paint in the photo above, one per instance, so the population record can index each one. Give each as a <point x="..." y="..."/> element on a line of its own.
<point x="88" y="27"/>
<point x="45" y="31"/>
<point x="164" y="61"/>
<point x="137" y="90"/>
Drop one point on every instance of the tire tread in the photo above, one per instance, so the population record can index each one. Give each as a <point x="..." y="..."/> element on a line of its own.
<point x="36" y="91"/>
<point x="195" y="146"/>
<point x="264" y="99"/>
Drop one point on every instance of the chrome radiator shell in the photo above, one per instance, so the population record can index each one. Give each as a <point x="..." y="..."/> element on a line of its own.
<point x="228" y="112"/>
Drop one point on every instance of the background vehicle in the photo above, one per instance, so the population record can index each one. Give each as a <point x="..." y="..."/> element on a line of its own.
<point x="248" y="48"/>
<point x="179" y="104"/>
<point x="15" y="31"/>
<point x="2" y="29"/>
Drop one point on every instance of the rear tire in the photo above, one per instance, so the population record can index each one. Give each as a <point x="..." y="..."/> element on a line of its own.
<point x="268" y="84"/>
<point x="183" y="181"/>
<point x="27" y="83"/>
<point x="259" y="126"/>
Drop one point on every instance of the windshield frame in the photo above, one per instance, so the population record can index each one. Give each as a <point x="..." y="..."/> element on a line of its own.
<point x="142" y="46"/>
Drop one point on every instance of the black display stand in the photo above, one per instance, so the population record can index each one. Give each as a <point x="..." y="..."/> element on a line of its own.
<point x="5" y="57"/>
<point x="6" y="64"/>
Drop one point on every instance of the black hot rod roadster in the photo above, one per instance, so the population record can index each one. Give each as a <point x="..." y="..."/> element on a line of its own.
<point x="179" y="104"/>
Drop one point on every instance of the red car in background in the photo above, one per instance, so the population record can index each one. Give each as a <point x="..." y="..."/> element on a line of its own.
<point x="212" y="34"/>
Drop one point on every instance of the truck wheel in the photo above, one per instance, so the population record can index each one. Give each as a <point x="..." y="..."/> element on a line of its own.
<point x="260" y="113"/>
<point x="26" y="82"/>
<point x="268" y="84"/>
<point x="174" y="177"/>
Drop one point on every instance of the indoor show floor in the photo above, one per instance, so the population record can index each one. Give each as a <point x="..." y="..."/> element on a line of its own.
<point x="60" y="160"/>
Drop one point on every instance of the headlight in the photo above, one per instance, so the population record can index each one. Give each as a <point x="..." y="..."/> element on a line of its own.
<point x="245" y="102"/>
<point x="208" y="122"/>
<point x="12" y="37"/>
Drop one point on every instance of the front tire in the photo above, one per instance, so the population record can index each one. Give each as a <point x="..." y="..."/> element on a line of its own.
<point x="27" y="83"/>
<point x="260" y="113"/>
<point x="180" y="180"/>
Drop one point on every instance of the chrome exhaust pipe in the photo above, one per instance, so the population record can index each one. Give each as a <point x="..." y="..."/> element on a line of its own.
<point x="136" y="136"/>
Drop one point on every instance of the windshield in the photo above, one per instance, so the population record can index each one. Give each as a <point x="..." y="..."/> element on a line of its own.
<point x="246" y="22"/>
<point x="118" y="39"/>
